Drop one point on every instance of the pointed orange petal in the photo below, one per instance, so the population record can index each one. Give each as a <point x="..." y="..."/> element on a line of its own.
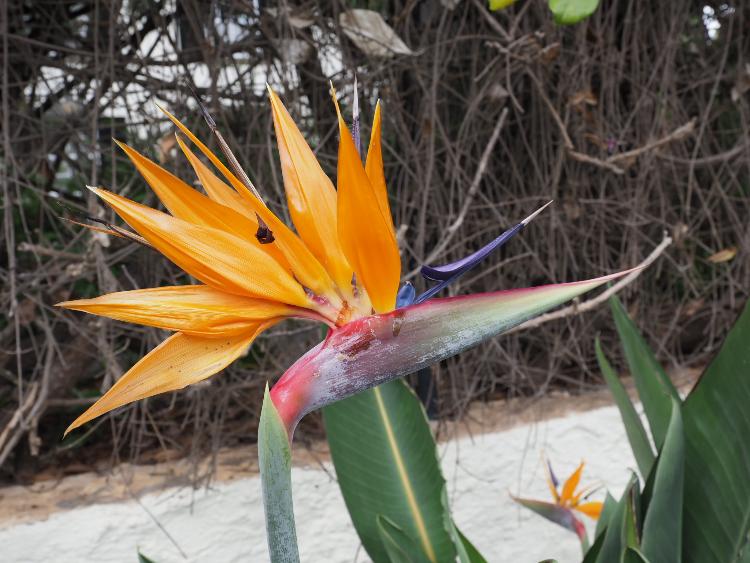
<point x="310" y="195"/>
<point x="307" y="269"/>
<point x="215" y="257"/>
<point x="215" y="188"/>
<point x="570" y="485"/>
<point x="180" y="360"/>
<point x="192" y="309"/>
<point x="227" y="197"/>
<point x="366" y="235"/>
<point x="591" y="509"/>
<point x="374" y="168"/>
<point x="186" y="203"/>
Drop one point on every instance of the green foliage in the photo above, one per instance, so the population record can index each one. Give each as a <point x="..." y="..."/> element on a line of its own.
<point x="399" y="546"/>
<point x="637" y="436"/>
<point x="654" y="387"/>
<point x="696" y="500"/>
<point x="568" y="12"/>
<point x="396" y="476"/>
<point x="565" y="12"/>
<point x="467" y="553"/>
<point x="717" y="454"/>
<point x="617" y="534"/>
<point x="143" y="559"/>
<point x="275" y="462"/>
<point x="662" y="527"/>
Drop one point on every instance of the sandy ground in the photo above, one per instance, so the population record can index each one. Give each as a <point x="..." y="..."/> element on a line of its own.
<point x="497" y="449"/>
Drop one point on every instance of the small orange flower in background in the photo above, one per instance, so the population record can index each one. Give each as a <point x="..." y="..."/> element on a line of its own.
<point x="568" y="500"/>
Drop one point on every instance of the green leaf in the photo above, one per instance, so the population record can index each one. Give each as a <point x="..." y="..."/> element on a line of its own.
<point x="637" y="436"/>
<point x="593" y="553"/>
<point x="399" y="546"/>
<point x="614" y="541"/>
<point x="275" y="462"/>
<point x="467" y="553"/>
<point x="653" y="384"/>
<point x="717" y="454"/>
<point x="386" y="463"/>
<point x="143" y="559"/>
<point x="610" y="504"/>
<point x="633" y="555"/>
<point x="629" y="523"/>
<point x="465" y="550"/>
<point x="568" y="12"/>
<point x="662" y="528"/>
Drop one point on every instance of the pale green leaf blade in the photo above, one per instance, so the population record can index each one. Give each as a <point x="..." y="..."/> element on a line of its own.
<point x="275" y="462"/>
<point x="662" y="528"/>
<point x="717" y="454"/>
<point x="386" y="463"/>
<point x="652" y="382"/>
<point x="639" y="443"/>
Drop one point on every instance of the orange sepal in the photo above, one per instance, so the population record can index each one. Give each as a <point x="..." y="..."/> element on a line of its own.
<point x="179" y="361"/>
<point x="590" y="509"/>
<point x="571" y="484"/>
<point x="215" y="188"/>
<point x="366" y="235"/>
<point x="311" y="197"/>
<point x="217" y="258"/>
<point x="192" y="309"/>
<point x="374" y="168"/>
<point x="305" y="266"/>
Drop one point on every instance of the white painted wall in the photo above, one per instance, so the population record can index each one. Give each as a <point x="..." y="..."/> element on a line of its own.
<point x="225" y="524"/>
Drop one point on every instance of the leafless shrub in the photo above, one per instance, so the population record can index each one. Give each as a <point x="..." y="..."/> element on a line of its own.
<point x="635" y="122"/>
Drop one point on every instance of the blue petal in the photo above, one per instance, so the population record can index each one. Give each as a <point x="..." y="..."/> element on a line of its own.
<point x="442" y="273"/>
<point x="406" y="295"/>
<point x="449" y="273"/>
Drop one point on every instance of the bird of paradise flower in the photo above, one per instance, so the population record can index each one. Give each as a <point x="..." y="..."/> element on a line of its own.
<point x="566" y="502"/>
<point x="341" y="267"/>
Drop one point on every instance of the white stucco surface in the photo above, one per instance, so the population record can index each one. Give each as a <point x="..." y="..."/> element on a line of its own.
<point x="225" y="523"/>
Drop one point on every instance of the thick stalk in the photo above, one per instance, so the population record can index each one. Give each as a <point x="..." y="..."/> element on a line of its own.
<point x="275" y="461"/>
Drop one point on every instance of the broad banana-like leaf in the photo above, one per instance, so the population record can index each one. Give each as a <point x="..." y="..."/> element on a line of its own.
<point x="662" y="526"/>
<point x="639" y="443"/>
<point x="386" y="464"/>
<point x="717" y="455"/>
<point x="653" y="384"/>
<point x="399" y="546"/>
<point x="275" y="462"/>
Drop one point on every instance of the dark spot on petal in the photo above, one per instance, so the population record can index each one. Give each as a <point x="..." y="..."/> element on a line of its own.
<point x="264" y="234"/>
